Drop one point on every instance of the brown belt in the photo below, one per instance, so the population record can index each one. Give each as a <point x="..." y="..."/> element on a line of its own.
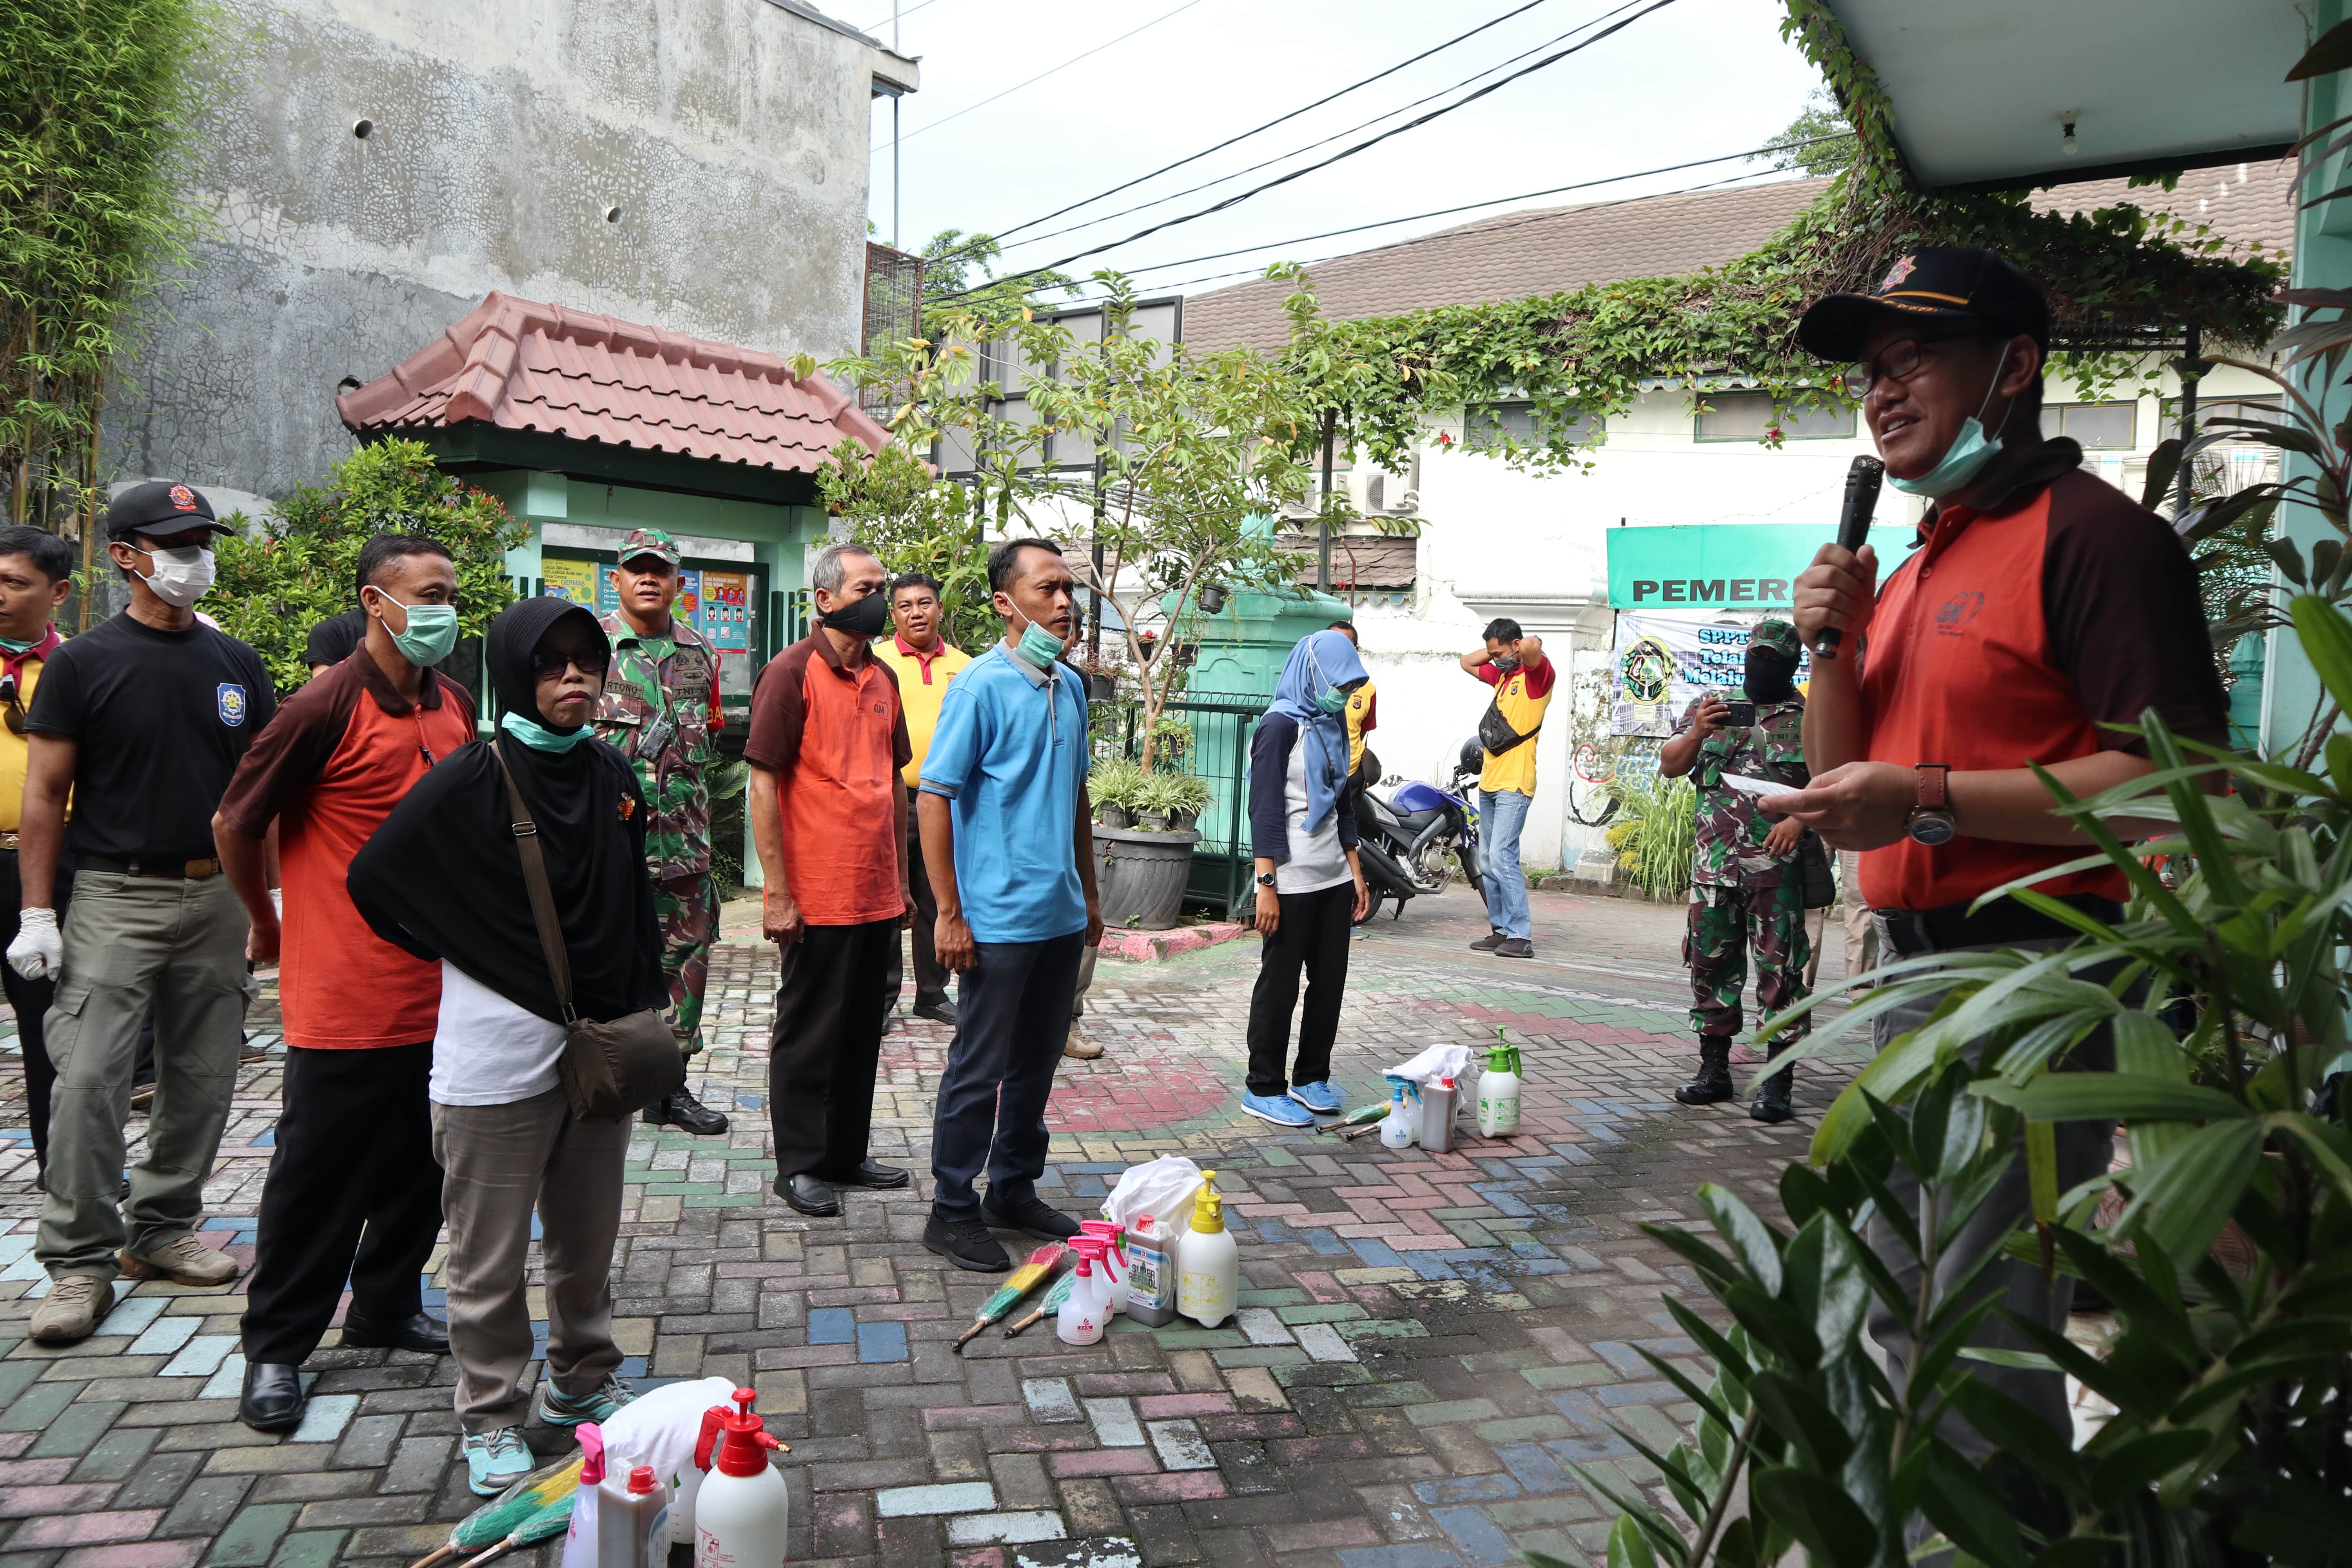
<point x="188" y="870"/>
<point x="9" y="840"/>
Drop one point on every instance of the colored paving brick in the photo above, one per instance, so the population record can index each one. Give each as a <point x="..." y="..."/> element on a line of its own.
<point x="1426" y="1348"/>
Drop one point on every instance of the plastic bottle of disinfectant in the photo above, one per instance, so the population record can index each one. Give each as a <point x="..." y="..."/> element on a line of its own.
<point x="1151" y="1273"/>
<point x="742" y="1511"/>
<point x="1084" y="1316"/>
<point x="1397" y="1126"/>
<point x="1208" y="1263"/>
<point x="1114" y="1260"/>
<point x="1498" y="1092"/>
<point x="632" y="1516"/>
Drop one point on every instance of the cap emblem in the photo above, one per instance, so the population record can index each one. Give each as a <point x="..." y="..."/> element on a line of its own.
<point x="182" y="499"/>
<point x="1898" y="273"/>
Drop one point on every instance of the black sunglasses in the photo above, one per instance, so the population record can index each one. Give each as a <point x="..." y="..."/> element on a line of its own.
<point x="547" y="661"/>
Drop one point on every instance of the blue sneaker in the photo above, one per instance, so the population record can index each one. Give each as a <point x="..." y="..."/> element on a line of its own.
<point x="1320" y="1098"/>
<point x="599" y="1405"/>
<point x="496" y="1460"/>
<point x="1276" y="1109"/>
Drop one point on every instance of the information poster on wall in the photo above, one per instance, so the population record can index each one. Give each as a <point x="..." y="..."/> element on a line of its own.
<point x="724" y="613"/>
<point x="1665" y="663"/>
<point x="561" y="577"/>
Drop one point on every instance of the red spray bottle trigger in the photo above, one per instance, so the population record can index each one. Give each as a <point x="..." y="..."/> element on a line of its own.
<point x="741" y="1443"/>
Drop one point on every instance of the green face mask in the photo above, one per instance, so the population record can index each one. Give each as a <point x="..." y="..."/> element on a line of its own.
<point x="1331" y="700"/>
<point x="1039" y="647"/>
<point x="431" y="634"/>
<point x="538" y="736"/>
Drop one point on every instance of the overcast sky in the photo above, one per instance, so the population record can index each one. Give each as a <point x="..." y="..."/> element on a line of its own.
<point x="1698" y="78"/>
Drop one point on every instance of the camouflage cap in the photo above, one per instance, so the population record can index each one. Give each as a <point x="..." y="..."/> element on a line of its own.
<point x="657" y="543"/>
<point x="1778" y="636"/>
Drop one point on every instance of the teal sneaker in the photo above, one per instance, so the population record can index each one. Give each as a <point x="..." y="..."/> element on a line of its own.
<point x="558" y="1408"/>
<point x="1276" y="1109"/>
<point x="495" y="1460"/>
<point x="1320" y="1098"/>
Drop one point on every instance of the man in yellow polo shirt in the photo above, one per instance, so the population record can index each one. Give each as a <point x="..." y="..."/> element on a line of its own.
<point x="1513" y="664"/>
<point x="36" y="574"/>
<point x="1362" y="712"/>
<point x="924" y="662"/>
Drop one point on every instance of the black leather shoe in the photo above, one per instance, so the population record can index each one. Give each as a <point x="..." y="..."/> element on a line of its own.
<point x="809" y="1195"/>
<point x="966" y="1244"/>
<point x="682" y="1110"/>
<point x="870" y="1175"/>
<point x="1032" y="1217"/>
<point x="272" y="1400"/>
<point x="942" y="1011"/>
<point x="422" y="1332"/>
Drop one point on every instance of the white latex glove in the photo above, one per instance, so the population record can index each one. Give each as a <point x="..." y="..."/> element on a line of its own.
<point x="39" y="951"/>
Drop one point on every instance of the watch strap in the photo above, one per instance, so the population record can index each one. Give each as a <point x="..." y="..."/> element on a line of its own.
<point x="1934" y="787"/>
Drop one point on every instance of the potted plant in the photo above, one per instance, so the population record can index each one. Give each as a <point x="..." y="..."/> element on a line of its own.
<point x="1114" y="785"/>
<point x="1185" y="797"/>
<point x="1145" y="869"/>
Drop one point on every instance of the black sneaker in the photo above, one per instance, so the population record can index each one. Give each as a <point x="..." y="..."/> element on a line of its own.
<point x="966" y="1244"/>
<point x="1515" y="947"/>
<point x="682" y="1110"/>
<point x="1032" y="1216"/>
<point x="1489" y="943"/>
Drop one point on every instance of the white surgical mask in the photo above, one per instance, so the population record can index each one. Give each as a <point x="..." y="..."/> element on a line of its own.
<point x="182" y="575"/>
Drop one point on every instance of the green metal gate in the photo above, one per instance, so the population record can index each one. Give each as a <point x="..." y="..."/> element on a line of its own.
<point x="1219" y="757"/>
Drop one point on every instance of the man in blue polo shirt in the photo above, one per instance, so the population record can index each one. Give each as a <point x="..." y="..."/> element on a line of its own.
<point x="1004" y="820"/>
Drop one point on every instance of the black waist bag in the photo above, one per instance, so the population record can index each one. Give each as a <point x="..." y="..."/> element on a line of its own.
<point x="1494" y="731"/>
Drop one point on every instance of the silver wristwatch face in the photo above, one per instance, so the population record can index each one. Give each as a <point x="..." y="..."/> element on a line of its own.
<point x="1931" y="828"/>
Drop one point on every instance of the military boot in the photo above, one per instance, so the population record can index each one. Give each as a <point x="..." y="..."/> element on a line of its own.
<point x="1713" y="1080"/>
<point x="1771" y="1102"/>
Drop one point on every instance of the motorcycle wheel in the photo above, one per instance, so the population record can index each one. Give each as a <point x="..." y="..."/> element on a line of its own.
<point x="1469" y="857"/>
<point x="1372" y="908"/>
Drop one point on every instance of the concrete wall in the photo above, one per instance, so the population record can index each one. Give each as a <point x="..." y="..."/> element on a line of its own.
<point x="732" y="135"/>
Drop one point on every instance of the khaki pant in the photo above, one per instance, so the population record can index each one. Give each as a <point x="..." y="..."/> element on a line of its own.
<point x="1861" y="932"/>
<point x="499" y="1163"/>
<point x="134" y="945"/>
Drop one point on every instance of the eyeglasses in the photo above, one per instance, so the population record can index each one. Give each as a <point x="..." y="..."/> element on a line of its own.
<point x="1900" y="362"/>
<point x="547" y="661"/>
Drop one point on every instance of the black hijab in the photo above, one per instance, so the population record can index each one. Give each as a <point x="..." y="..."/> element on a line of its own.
<point x="442" y="877"/>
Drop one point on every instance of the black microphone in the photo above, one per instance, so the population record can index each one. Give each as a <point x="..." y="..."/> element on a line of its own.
<point x="1862" y="482"/>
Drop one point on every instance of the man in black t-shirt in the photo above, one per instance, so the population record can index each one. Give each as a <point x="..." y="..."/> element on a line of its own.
<point x="334" y="641"/>
<point x="142" y="720"/>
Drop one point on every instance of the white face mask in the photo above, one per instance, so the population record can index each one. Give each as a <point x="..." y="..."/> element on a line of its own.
<point x="182" y="575"/>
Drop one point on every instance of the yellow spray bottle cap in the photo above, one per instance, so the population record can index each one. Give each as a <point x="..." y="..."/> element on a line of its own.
<point x="1209" y="1209"/>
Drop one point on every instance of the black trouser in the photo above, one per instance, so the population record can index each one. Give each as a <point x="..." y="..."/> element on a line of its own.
<point x="1013" y="1018"/>
<point x="353" y="1192"/>
<point x="31" y="999"/>
<point x="826" y="1045"/>
<point x="1314" y="934"/>
<point x="930" y="976"/>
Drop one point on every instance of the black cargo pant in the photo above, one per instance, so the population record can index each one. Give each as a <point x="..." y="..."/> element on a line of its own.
<point x="827" y="1046"/>
<point x="1314" y="935"/>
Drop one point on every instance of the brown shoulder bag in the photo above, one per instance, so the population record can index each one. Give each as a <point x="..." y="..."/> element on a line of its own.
<point x="610" y="1070"/>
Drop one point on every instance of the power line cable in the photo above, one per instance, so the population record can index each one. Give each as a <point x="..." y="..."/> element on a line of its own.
<point x="1336" y="135"/>
<point x="1500" y="201"/>
<point x="1041" y="75"/>
<point x="874" y="29"/>
<point x="1279" y="119"/>
<point x="1366" y="143"/>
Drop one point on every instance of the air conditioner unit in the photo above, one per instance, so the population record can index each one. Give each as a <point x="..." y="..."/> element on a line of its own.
<point x="1298" y="510"/>
<point x="1407" y="503"/>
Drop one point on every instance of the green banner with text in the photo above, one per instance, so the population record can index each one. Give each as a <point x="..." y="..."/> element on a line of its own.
<point x="1723" y="566"/>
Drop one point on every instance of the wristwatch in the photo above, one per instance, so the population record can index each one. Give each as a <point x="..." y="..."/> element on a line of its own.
<point x="1931" y="821"/>
<point x="1266" y="879"/>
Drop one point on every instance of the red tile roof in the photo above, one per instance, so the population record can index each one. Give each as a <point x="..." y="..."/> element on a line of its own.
<point x="521" y="365"/>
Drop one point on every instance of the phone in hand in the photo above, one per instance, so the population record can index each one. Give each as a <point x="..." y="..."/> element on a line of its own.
<point x="1738" y="714"/>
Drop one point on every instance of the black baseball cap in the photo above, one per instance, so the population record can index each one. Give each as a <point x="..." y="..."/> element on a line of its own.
<point x="161" y="507"/>
<point x="1956" y="284"/>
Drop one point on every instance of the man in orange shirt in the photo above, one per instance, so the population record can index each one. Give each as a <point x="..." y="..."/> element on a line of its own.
<point x="829" y="824"/>
<point x="354" y="1189"/>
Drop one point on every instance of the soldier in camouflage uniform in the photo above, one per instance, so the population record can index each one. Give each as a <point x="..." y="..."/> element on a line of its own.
<point x="660" y="707"/>
<point x="1747" y="888"/>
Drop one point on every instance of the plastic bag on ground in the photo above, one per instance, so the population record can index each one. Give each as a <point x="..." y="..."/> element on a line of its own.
<point x="1437" y="1062"/>
<point x="1163" y="1188"/>
<point x="658" y="1427"/>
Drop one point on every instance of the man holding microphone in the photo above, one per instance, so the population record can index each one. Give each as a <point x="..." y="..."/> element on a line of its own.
<point x="2039" y="607"/>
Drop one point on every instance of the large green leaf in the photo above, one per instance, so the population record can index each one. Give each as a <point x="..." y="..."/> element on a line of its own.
<point x="2183" y="1203"/>
<point x="1757" y="1243"/>
<point x="2138" y="1464"/>
<point x="1959" y="1501"/>
<point x="2110" y="1097"/>
<point x="1815" y="1510"/>
<point x="2327" y="639"/>
<point x="1796" y="1413"/>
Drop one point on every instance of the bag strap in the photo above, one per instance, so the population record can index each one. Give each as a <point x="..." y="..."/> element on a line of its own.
<point x="534" y="879"/>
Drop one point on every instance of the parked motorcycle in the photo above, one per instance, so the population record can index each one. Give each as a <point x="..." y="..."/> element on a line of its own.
<point x="1410" y="841"/>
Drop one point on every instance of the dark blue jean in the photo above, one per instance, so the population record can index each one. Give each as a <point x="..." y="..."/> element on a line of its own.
<point x="1013" y="1018"/>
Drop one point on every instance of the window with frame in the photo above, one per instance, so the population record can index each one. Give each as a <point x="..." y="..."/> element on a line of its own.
<point x="2093" y="426"/>
<point x="1485" y="426"/>
<point x="1750" y="417"/>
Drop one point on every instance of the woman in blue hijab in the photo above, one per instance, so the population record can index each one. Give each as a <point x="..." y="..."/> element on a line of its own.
<point x="1311" y="888"/>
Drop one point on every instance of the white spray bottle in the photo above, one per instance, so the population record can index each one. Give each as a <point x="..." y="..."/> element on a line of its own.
<point x="1209" y="1263"/>
<point x="742" y="1511"/>
<point x="1114" y="1260"/>
<point x="1084" y="1316"/>
<point x="1397" y="1126"/>
<point x="1498" y="1090"/>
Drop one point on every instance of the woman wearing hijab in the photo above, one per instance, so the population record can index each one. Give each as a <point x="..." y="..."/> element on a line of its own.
<point x="1311" y="888"/>
<point x="443" y="879"/>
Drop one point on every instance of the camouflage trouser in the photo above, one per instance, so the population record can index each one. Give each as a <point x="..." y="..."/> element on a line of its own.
<point x="688" y="908"/>
<point x="1724" y="922"/>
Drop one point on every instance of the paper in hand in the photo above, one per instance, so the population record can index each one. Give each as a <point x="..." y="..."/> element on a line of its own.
<point x="1742" y="782"/>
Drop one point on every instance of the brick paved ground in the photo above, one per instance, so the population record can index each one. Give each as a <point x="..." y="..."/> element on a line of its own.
<point x="1424" y="1343"/>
